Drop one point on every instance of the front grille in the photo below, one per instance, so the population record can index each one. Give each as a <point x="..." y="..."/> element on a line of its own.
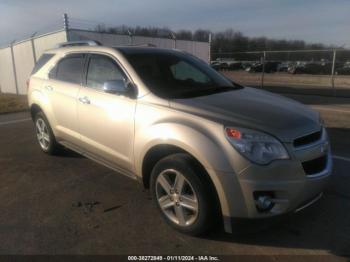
<point x="308" y="139"/>
<point x="315" y="166"/>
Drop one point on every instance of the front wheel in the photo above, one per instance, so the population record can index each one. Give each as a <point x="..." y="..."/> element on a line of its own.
<point x="183" y="195"/>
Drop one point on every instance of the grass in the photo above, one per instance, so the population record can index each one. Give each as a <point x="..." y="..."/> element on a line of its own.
<point x="13" y="103"/>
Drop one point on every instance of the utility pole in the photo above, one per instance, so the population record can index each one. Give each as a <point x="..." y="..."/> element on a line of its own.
<point x="130" y="37"/>
<point x="66" y="25"/>
<point x="173" y="36"/>
<point x="263" y="69"/>
<point x="33" y="47"/>
<point x="14" y="66"/>
<point x="333" y="70"/>
<point x="209" y="55"/>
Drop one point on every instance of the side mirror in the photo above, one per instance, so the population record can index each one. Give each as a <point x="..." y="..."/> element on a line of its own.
<point x="118" y="87"/>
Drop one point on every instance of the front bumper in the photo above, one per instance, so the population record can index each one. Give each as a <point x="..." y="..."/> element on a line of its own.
<point x="286" y="182"/>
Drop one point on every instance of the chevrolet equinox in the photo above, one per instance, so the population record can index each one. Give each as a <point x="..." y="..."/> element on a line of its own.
<point x="207" y="148"/>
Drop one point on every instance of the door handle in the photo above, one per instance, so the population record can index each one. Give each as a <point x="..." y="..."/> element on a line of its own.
<point x="49" y="88"/>
<point x="84" y="100"/>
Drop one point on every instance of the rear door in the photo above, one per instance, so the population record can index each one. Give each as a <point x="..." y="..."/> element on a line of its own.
<point x="62" y="90"/>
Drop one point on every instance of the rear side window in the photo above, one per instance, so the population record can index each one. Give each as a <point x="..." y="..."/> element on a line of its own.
<point x="70" y="69"/>
<point x="102" y="69"/>
<point x="41" y="62"/>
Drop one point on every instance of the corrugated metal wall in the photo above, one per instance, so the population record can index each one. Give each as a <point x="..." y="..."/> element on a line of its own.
<point x="7" y="78"/>
<point x="158" y="42"/>
<point x="24" y="55"/>
<point x="105" y="39"/>
<point x="24" y="62"/>
<point x="48" y="41"/>
<point x="199" y="49"/>
<point x="14" y="71"/>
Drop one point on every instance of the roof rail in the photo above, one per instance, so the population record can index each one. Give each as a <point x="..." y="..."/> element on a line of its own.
<point x="79" y="43"/>
<point x="145" y="45"/>
<point x="137" y="45"/>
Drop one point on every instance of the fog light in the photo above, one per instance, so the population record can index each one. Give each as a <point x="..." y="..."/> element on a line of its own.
<point x="264" y="201"/>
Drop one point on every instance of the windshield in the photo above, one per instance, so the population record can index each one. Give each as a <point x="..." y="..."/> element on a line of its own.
<point x="173" y="74"/>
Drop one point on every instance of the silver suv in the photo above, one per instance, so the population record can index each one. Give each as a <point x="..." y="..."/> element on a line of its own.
<point x="206" y="147"/>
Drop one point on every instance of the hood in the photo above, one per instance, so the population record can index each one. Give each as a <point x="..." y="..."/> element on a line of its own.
<point x="252" y="108"/>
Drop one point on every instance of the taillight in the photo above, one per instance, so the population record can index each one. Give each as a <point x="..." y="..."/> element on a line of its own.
<point x="28" y="82"/>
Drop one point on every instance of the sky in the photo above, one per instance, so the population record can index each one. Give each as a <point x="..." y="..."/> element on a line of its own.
<point x="315" y="21"/>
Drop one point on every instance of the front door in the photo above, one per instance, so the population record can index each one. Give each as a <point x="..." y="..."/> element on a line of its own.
<point x="106" y="121"/>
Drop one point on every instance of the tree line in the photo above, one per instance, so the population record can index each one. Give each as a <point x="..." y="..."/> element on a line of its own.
<point x="228" y="40"/>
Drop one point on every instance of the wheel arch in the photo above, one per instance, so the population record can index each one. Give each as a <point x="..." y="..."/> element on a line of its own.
<point x="158" y="152"/>
<point x="34" y="109"/>
<point x="38" y="102"/>
<point x="153" y="155"/>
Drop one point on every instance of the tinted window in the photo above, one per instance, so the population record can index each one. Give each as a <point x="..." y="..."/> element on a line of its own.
<point x="70" y="69"/>
<point x="185" y="71"/>
<point x="102" y="69"/>
<point x="173" y="74"/>
<point x="41" y="62"/>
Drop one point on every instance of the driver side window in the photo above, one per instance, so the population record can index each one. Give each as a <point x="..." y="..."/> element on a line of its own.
<point x="102" y="69"/>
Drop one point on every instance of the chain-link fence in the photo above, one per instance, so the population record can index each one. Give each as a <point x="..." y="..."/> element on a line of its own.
<point x="317" y="72"/>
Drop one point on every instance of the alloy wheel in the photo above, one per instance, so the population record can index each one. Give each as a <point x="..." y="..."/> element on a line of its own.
<point x="176" y="197"/>
<point x="42" y="133"/>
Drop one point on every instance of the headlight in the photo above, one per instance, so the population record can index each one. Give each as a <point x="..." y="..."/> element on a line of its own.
<point x="258" y="147"/>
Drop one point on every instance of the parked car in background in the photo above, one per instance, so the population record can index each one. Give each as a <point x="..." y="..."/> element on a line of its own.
<point x="344" y="70"/>
<point x="270" y="67"/>
<point x="314" y="68"/>
<point x="236" y="65"/>
<point x="283" y="66"/>
<point x="226" y="64"/>
<point x="207" y="148"/>
<point x="247" y="64"/>
<point x="219" y="65"/>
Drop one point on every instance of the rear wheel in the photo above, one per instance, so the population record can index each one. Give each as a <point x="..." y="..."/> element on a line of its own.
<point x="44" y="135"/>
<point x="183" y="195"/>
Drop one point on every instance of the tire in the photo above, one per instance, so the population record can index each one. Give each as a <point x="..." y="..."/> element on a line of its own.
<point x="46" y="139"/>
<point x="196" y="198"/>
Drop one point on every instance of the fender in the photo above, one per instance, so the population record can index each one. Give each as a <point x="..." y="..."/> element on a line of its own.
<point x="201" y="145"/>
